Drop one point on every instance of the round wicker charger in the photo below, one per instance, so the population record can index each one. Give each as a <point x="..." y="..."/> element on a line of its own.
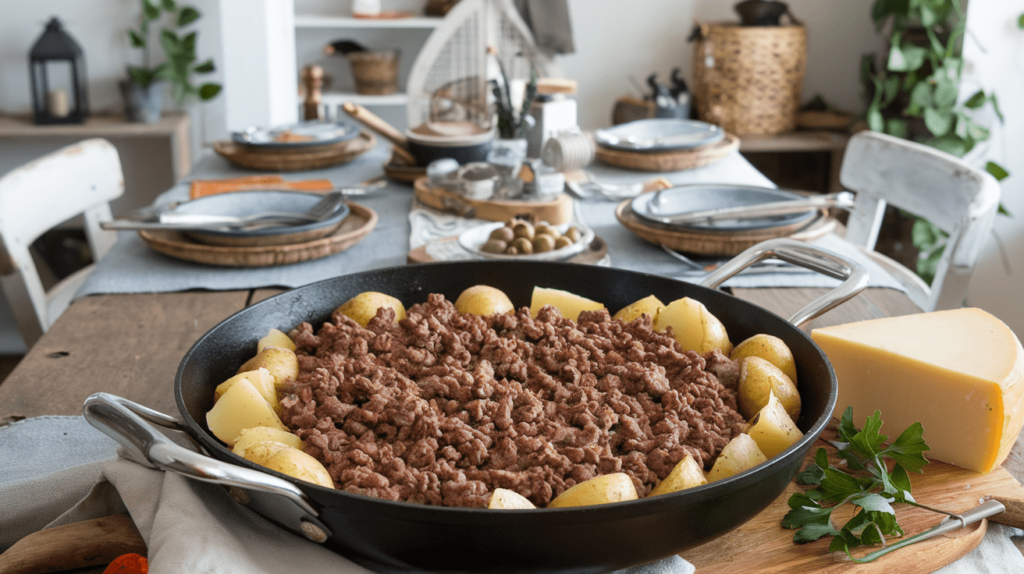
<point x="295" y="159"/>
<point x="359" y="223"/>
<point x="674" y="160"/>
<point x="718" y="243"/>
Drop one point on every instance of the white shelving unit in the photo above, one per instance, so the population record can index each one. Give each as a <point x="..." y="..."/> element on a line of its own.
<point x="311" y="28"/>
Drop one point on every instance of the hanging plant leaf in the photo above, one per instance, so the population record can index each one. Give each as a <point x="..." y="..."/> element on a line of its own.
<point x="188" y="44"/>
<point x="169" y="5"/>
<point x="945" y="92"/>
<point x="950" y="144"/>
<point x="204" y="68"/>
<point x="997" y="171"/>
<point x="977" y="100"/>
<point x="896" y="127"/>
<point x="1020" y="22"/>
<point x="875" y="119"/>
<point x="187" y="15"/>
<point x="208" y="91"/>
<point x="137" y="40"/>
<point x="938" y="121"/>
<point x="995" y="107"/>
<point x="150" y="10"/>
<point x="170" y="42"/>
<point x="920" y="98"/>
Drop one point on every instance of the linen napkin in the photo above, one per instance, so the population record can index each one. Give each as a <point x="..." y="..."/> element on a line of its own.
<point x="203" y="187"/>
<point x="188" y="526"/>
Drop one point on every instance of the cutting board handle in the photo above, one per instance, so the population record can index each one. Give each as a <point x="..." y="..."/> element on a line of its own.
<point x="1013" y="515"/>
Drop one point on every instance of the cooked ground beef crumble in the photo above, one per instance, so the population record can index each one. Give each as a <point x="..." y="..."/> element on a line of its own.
<point x="442" y="408"/>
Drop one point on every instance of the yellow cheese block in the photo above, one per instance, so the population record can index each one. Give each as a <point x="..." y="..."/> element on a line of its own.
<point x="960" y="373"/>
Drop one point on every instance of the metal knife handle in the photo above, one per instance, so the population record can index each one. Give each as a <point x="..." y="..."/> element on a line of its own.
<point x="805" y="255"/>
<point x="842" y="199"/>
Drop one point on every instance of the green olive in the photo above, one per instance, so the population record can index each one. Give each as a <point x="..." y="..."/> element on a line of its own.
<point x="522" y="245"/>
<point x="512" y="250"/>
<point x="523" y="229"/>
<point x="563" y="241"/>
<point x="545" y="229"/>
<point x="543" y="243"/>
<point x="503" y="234"/>
<point x="573" y="233"/>
<point x="494" y="246"/>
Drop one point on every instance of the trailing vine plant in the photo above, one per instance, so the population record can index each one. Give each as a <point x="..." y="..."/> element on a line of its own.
<point x="913" y="95"/>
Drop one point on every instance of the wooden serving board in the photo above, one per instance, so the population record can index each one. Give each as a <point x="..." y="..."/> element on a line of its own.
<point x="555" y="212"/>
<point x="764" y="546"/>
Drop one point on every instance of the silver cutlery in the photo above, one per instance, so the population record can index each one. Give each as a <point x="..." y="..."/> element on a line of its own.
<point x="841" y="200"/>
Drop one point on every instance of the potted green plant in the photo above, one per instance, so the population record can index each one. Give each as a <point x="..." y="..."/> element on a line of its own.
<point x="913" y="94"/>
<point x="164" y="23"/>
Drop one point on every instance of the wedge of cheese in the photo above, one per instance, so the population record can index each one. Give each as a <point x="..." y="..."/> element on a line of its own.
<point x="959" y="372"/>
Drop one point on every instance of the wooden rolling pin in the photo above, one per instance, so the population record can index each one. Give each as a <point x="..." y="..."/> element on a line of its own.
<point x="89" y="543"/>
<point x="375" y="123"/>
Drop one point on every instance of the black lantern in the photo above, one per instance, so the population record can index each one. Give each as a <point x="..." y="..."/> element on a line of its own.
<point x="57" y="69"/>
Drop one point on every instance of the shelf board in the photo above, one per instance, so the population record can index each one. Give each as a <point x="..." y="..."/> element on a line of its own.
<point x="315" y="21"/>
<point x="338" y="98"/>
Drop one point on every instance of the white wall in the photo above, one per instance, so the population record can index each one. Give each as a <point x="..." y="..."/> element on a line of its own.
<point x="994" y="55"/>
<point x="616" y="39"/>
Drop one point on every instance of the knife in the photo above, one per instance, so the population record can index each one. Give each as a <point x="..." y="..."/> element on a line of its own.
<point x="842" y="200"/>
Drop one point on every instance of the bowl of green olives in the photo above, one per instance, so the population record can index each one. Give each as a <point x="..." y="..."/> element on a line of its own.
<point x="521" y="240"/>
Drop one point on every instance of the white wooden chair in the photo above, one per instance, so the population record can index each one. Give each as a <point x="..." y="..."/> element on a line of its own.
<point x="77" y="180"/>
<point x="959" y="199"/>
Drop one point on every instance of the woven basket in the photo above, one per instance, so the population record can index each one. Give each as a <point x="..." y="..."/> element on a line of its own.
<point x="747" y="79"/>
<point x="376" y="73"/>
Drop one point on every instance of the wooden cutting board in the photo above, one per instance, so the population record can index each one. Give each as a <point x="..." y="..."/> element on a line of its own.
<point x="764" y="546"/>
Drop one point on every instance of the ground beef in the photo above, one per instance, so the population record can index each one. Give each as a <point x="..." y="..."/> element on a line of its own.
<point x="442" y="408"/>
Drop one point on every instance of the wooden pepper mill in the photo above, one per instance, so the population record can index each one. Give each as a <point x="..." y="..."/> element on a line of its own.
<point x="313" y="79"/>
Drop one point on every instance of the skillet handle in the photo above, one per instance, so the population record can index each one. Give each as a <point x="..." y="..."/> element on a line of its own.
<point x="805" y="255"/>
<point x="125" y="422"/>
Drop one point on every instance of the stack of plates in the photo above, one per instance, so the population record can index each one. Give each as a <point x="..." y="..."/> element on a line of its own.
<point x="663" y="144"/>
<point x="296" y="147"/>
<point x="645" y="216"/>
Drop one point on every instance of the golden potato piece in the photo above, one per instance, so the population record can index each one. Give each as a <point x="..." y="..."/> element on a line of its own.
<point x="686" y="474"/>
<point x="693" y="326"/>
<point x="282" y="364"/>
<point x="251" y="436"/>
<point x="240" y="407"/>
<point x="650" y="306"/>
<point x="772" y="429"/>
<point x="603" y="489"/>
<point x="260" y="452"/>
<point x="300" y="465"/>
<point x="568" y="304"/>
<point x="363" y="307"/>
<point x="740" y="454"/>
<point x="483" y="300"/>
<point x="770" y="348"/>
<point x="275" y="338"/>
<point x="502" y="498"/>
<point x="260" y="378"/>
<point x="759" y="378"/>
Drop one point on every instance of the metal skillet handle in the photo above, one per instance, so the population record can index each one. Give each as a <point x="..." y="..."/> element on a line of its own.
<point x="805" y="255"/>
<point x="125" y="422"/>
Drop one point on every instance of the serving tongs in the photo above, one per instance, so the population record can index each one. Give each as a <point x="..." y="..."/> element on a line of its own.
<point x="840" y="200"/>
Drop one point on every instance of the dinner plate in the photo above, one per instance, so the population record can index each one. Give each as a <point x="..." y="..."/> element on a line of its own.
<point x="659" y="134"/>
<point x="472" y="239"/>
<point x="302" y="134"/>
<point x="702" y="196"/>
<point x="244" y="203"/>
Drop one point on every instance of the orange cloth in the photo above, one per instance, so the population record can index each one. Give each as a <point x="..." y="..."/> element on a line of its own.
<point x="202" y="188"/>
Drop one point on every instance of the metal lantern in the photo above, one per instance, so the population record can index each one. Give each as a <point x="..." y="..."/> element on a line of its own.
<point x="57" y="69"/>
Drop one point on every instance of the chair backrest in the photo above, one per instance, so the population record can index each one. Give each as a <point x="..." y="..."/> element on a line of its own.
<point x="80" y="179"/>
<point x="958" y="198"/>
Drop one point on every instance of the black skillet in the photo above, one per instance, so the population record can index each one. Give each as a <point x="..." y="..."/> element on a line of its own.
<point x="584" y="539"/>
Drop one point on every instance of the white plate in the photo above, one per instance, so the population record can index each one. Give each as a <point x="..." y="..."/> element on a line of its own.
<point x="701" y="196"/>
<point x="313" y="133"/>
<point x="473" y="239"/>
<point x="659" y="134"/>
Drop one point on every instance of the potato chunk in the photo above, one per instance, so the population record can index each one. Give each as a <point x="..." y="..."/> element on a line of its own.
<point x="568" y="304"/>
<point x="251" y="436"/>
<point x="275" y="338"/>
<point x="260" y="378"/>
<point x="503" y="498"/>
<point x="363" y="307"/>
<point x="649" y="305"/>
<point x="300" y="465"/>
<point x="693" y="326"/>
<point x="260" y="452"/>
<point x="282" y="364"/>
<point x="686" y="474"/>
<point x="772" y="429"/>
<point x="740" y="454"/>
<point x="483" y="300"/>
<point x="759" y="378"/>
<point x="241" y="407"/>
<point x="603" y="489"/>
<point x="769" y="348"/>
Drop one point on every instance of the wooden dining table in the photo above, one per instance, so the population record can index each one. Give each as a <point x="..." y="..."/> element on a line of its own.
<point x="131" y="344"/>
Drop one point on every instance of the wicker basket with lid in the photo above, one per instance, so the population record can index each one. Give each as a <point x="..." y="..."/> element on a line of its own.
<point x="747" y="79"/>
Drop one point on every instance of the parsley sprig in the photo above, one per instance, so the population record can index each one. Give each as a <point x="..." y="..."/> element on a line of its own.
<point x="866" y="483"/>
